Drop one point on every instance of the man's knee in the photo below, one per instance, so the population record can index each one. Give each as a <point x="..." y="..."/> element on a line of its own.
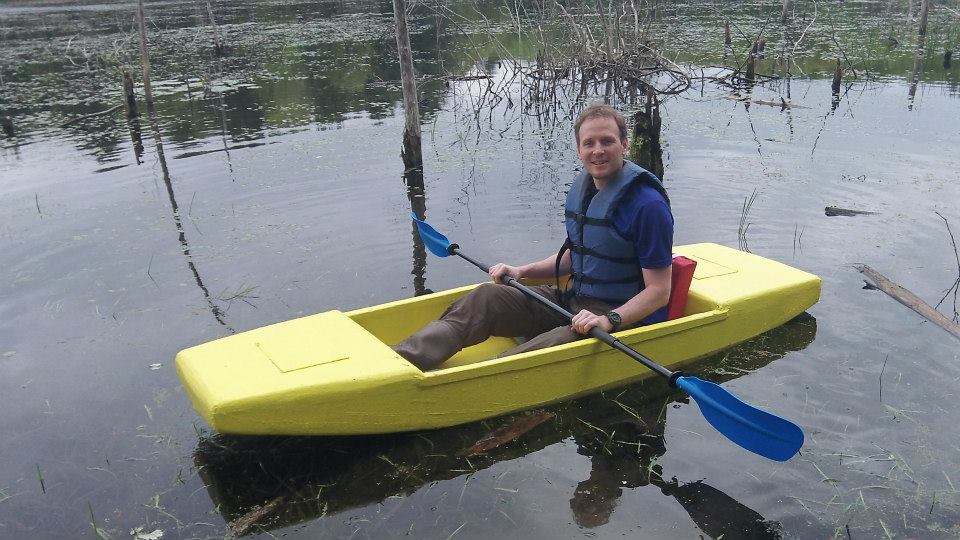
<point x="489" y="294"/>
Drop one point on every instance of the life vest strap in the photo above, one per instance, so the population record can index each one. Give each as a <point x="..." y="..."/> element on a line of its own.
<point x="582" y="219"/>
<point x="583" y="250"/>
<point x="583" y="278"/>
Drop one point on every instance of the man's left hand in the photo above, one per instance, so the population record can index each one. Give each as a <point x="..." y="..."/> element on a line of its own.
<point x="585" y="320"/>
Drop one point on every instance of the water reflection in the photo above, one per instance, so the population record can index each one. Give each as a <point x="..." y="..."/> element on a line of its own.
<point x="416" y="192"/>
<point x="273" y="482"/>
<point x="136" y="139"/>
<point x="625" y="458"/>
<point x="184" y="244"/>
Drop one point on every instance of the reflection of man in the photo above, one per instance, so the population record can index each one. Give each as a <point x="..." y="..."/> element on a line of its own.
<point x="620" y="460"/>
<point x="620" y="239"/>
<point x="624" y="457"/>
<point x="718" y="514"/>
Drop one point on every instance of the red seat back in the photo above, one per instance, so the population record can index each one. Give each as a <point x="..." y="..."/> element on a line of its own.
<point x="680" y="280"/>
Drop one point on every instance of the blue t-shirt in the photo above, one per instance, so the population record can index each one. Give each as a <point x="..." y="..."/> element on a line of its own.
<point x="643" y="217"/>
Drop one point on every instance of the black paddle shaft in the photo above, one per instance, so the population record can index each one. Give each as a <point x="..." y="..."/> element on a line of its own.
<point x="596" y="331"/>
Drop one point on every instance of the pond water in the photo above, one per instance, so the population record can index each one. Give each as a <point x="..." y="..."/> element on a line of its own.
<point x="269" y="186"/>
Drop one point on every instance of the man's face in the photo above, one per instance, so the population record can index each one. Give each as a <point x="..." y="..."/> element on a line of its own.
<point x="601" y="149"/>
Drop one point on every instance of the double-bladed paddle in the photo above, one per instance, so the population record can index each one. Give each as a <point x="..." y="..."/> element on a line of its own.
<point x="758" y="431"/>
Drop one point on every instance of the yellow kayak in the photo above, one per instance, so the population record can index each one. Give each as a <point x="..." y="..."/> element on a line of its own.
<point x="334" y="373"/>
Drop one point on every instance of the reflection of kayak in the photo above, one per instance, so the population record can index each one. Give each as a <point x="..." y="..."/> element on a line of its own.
<point x="334" y="373"/>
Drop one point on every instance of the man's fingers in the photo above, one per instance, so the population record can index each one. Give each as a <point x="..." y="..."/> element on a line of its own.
<point x="583" y="321"/>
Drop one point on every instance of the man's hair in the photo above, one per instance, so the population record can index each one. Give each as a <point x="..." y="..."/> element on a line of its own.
<point x="600" y="110"/>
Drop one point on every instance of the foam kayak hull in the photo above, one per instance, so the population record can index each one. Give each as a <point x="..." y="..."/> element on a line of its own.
<point x="334" y="373"/>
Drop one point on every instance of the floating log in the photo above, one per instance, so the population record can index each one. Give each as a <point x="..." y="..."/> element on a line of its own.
<point x="468" y="77"/>
<point x="507" y="433"/>
<point x="908" y="299"/>
<point x="783" y="104"/>
<point x="832" y="211"/>
<point x="91" y="115"/>
<point x="245" y="523"/>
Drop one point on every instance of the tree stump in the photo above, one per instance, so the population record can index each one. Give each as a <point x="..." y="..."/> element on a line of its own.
<point x="129" y="97"/>
<point x="837" y="76"/>
<point x="645" y="149"/>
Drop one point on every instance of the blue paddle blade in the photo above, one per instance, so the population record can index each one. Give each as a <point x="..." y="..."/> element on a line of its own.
<point x="758" y="431"/>
<point x="436" y="242"/>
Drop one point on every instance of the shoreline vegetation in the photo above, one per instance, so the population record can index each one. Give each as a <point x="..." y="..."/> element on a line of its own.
<point x="618" y="51"/>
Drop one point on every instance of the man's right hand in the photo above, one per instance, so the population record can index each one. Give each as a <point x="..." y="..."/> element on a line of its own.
<point x="499" y="270"/>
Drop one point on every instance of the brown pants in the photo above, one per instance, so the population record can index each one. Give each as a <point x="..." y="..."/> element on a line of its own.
<point x="494" y="310"/>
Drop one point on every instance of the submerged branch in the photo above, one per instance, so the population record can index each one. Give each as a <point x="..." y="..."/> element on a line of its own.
<point x="955" y="288"/>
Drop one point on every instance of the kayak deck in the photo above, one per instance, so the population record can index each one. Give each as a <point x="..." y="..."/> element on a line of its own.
<point x="334" y="372"/>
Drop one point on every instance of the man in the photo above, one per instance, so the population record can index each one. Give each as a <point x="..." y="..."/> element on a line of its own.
<point x="620" y="240"/>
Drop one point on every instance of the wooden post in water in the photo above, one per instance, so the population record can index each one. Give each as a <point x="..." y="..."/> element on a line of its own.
<point x="835" y="87"/>
<point x="837" y="76"/>
<point x="412" y="152"/>
<point x="7" y="124"/>
<point x="787" y="7"/>
<point x="645" y="149"/>
<point x="921" y="40"/>
<point x="218" y="45"/>
<point x="751" y="63"/>
<point x="144" y="57"/>
<point x="924" y="11"/>
<point x="726" y="33"/>
<point x="129" y="97"/>
<point x="946" y="59"/>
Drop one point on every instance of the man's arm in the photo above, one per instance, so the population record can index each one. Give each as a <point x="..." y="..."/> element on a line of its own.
<point x="541" y="269"/>
<point x="654" y="296"/>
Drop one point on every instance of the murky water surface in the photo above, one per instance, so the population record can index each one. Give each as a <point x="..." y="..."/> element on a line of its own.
<point x="270" y="187"/>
